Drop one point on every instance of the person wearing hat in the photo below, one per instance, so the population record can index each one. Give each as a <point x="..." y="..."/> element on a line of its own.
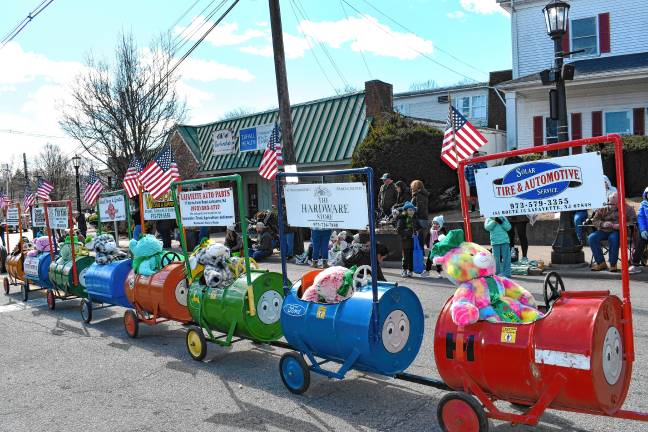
<point x="233" y="240"/>
<point x="360" y="254"/>
<point x="437" y="233"/>
<point x="263" y="248"/>
<point x="407" y="227"/>
<point x="387" y="196"/>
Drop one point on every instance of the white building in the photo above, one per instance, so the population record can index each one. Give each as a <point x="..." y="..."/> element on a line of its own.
<point x="609" y="93"/>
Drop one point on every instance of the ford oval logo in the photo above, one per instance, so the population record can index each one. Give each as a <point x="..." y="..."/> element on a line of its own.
<point x="295" y="310"/>
<point x="537" y="180"/>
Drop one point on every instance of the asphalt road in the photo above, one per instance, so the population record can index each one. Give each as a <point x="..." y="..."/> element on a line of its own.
<point x="57" y="374"/>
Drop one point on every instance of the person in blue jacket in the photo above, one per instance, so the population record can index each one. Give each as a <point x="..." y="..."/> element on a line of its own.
<point x="498" y="228"/>
<point x="642" y="239"/>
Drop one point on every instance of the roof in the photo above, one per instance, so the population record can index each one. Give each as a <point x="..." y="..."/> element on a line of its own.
<point x="190" y="137"/>
<point x="591" y="67"/>
<point x="325" y="131"/>
<point x="437" y="90"/>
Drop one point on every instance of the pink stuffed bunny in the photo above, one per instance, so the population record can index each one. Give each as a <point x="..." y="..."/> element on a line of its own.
<point x="326" y="286"/>
<point x="41" y="244"/>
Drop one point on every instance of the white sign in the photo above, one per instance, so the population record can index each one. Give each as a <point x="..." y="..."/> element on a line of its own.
<point x="209" y="207"/>
<point x="158" y="209"/>
<point x="12" y="216"/>
<point x="38" y="217"/>
<point x="58" y="217"/>
<point x="223" y="142"/>
<point x="112" y="208"/>
<point x="327" y="205"/>
<point x="255" y="138"/>
<point x="30" y="266"/>
<point x="548" y="185"/>
<point x="291" y="169"/>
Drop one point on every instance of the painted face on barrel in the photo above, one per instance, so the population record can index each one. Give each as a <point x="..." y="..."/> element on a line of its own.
<point x="395" y="331"/>
<point x="269" y="307"/>
<point x="181" y="292"/>
<point x="612" y="356"/>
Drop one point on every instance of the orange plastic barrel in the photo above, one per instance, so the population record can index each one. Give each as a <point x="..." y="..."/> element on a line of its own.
<point x="14" y="266"/>
<point x="580" y="340"/>
<point x="163" y="294"/>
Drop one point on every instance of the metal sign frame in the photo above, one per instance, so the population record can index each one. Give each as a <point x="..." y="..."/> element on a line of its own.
<point x="128" y="215"/>
<point x="68" y="204"/>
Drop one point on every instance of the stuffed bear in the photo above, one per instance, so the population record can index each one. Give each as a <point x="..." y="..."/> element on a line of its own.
<point x="147" y="255"/>
<point x="481" y="294"/>
<point x="65" y="250"/>
<point x="105" y="249"/>
<point x="41" y="244"/>
<point x="331" y="285"/>
<point x="214" y="257"/>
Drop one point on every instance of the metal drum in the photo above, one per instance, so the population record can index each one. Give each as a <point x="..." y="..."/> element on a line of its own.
<point x="105" y="283"/>
<point x="36" y="269"/>
<point x="62" y="278"/>
<point x="14" y="266"/>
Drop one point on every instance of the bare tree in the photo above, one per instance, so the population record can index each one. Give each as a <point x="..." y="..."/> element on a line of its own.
<point x="237" y="112"/>
<point x="126" y="108"/>
<point x="53" y="166"/>
<point x="423" y="85"/>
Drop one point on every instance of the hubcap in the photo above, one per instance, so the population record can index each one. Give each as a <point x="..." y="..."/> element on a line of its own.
<point x="458" y="416"/>
<point x="194" y="343"/>
<point x="130" y="324"/>
<point x="293" y="373"/>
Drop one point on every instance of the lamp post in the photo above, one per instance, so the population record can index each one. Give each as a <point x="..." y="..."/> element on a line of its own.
<point x="567" y="249"/>
<point x="76" y="162"/>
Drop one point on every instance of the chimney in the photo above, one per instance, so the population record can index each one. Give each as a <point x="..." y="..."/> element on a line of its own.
<point x="379" y="98"/>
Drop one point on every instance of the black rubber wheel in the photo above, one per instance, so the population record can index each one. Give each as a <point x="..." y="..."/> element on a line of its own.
<point x="5" y="284"/>
<point x="24" y="290"/>
<point x="51" y="300"/>
<point x="196" y="343"/>
<point x="553" y="284"/>
<point x="294" y="372"/>
<point x="131" y="323"/>
<point x="3" y="259"/>
<point x="86" y="310"/>
<point x="459" y="411"/>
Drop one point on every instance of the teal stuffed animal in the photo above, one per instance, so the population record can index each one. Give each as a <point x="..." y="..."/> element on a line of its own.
<point x="147" y="255"/>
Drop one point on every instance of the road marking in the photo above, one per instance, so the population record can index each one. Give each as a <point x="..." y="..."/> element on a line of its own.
<point x="14" y="307"/>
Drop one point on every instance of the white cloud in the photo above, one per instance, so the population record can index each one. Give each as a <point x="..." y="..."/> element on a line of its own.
<point x="224" y="34"/>
<point x="482" y="6"/>
<point x="195" y="97"/>
<point x="456" y="15"/>
<point x="22" y="67"/>
<point x="365" y="33"/>
<point x="210" y="70"/>
<point x="294" y="47"/>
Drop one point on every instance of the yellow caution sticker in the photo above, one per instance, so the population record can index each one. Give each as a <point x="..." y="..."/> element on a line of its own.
<point x="321" y="312"/>
<point x="509" y="334"/>
<point x="195" y="298"/>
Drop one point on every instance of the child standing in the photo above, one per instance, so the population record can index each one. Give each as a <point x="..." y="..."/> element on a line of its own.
<point x="498" y="228"/>
<point x="407" y="227"/>
<point x="437" y="233"/>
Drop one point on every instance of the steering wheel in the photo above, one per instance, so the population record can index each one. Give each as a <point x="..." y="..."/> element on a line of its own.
<point x="169" y="257"/>
<point x="362" y="276"/>
<point x="555" y="285"/>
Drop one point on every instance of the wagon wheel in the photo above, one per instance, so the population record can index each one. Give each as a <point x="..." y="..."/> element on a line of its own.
<point x="169" y="257"/>
<point x="459" y="412"/>
<point x="294" y="372"/>
<point x="86" y="310"/>
<point x="5" y="283"/>
<point x="553" y="283"/>
<point x="24" y="290"/>
<point x="362" y="276"/>
<point x="131" y="323"/>
<point x="51" y="300"/>
<point x="196" y="343"/>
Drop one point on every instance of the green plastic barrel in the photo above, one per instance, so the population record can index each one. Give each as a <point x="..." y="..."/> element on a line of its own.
<point x="61" y="275"/>
<point x="226" y="310"/>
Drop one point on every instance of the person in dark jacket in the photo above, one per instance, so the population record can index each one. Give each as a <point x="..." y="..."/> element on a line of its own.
<point x="165" y="228"/>
<point x="407" y="227"/>
<point x="263" y="248"/>
<point x="420" y="200"/>
<point x="518" y="223"/>
<point x="233" y="240"/>
<point x="361" y="254"/>
<point x="387" y="196"/>
<point x="402" y="193"/>
<point x="81" y="224"/>
<point x="642" y="238"/>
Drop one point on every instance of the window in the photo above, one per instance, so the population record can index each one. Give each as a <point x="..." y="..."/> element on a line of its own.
<point x="584" y="35"/>
<point x="478" y="107"/>
<point x="551" y="131"/>
<point x="618" y="122"/>
<point x="473" y="108"/>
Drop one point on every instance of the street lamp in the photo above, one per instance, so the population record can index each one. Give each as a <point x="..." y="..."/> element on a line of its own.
<point x="566" y="248"/>
<point x="76" y="162"/>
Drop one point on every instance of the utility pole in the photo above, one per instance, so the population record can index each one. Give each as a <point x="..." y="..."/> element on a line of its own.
<point x="25" y="168"/>
<point x="288" y="149"/>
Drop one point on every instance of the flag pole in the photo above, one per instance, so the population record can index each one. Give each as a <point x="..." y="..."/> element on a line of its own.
<point x="141" y="208"/>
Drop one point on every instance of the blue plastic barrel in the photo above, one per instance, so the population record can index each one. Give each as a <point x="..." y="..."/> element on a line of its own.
<point x="340" y="331"/>
<point x="105" y="283"/>
<point x="42" y="263"/>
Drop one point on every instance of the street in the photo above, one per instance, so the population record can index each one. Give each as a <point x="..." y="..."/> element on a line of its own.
<point x="61" y="375"/>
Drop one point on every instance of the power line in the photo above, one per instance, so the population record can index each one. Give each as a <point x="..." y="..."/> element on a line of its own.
<point x="364" y="60"/>
<point x="183" y="15"/>
<point x="31" y="134"/>
<point x="183" y="40"/>
<point x="21" y="25"/>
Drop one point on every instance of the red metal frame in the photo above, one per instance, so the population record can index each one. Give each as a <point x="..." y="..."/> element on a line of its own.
<point x="20" y="227"/>
<point x="68" y="204"/>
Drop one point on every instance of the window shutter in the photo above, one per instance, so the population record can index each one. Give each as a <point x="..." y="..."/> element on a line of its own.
<point x="597" y="123"/>
<point x="604" y="32"/>
<point x="538" y="131"/>
<point x="639" y="121"/>
<point x="565" y="40"/>
<point x="576" y="130"/>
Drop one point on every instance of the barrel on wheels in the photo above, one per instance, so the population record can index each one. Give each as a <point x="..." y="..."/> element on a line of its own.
<point x="36" y="272"/>
<point x="62" y="277"/>
<point x="105" y="285"/>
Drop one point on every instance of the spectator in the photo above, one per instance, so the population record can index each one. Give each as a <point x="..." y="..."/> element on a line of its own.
<point x="498" y="228"/>
<point x="402" y="194"/>
<point x="263" y="248"/>
<point x="519" y="226"/>
<point x="387" y="196"/>
<point x="606" y="221"/>
<point x="137" y="230"/>
<point x="320" y="240"/>
<point x="233" y="241"/>
<point x="81" y="223"/>
<point x="469" y="172"/>
<point x="437" y="232"/>
<point x="420" y="200"/>
<point x="361" y="255"/>
<point x="407" y="227"/>
<point x="642" y="238"/>
<point x="164" y="228"/>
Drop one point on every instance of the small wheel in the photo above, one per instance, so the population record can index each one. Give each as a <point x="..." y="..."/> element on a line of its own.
<point x="24" y="290"/>
<point x="131" y="323"/>
<point x="86" y="310"/>
<point x="196" y="343"/>
<point x="295" y="373"/>
<point x="460" y="412"/>
<point x="5" y="283"/>
<point x="51" y="300"/>
<point x="553" y="283"/>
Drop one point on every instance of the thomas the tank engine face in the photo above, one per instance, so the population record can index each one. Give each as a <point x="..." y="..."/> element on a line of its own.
<point x="395" y="332"/>
<point x="612" y="356"/>
<point x="181" y="292"/>
<point x="269" y="307"/>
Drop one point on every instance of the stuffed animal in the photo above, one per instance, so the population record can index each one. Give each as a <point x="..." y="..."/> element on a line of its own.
<point x="41" y="244"/>
<point x="147" y="255"/>
<point x="214" y="257"/>
<point x="105" y="249"/>
<point x="481" y="294"/>
<point x="331" y="285"/>
<point x="65" y="250"/>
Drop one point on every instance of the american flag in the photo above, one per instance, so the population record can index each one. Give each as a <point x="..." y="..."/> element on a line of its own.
<point x="44" y="189"/>
<point x="160" y="173"/>
<point x="30" y="198"/>
<point x="461" y="139"/>
<point x="93" y="188"/>
<point x="272" y="155"/>
<point x="4" y="201"/>
<point x="131" y="179"/>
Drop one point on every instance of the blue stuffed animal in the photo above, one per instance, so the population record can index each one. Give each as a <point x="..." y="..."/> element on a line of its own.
<point x="147" y="255"/>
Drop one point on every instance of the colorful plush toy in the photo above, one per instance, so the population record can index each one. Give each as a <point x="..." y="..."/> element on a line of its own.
<point x="481" y="294"/>
<point x="214" y="258"/>
<point x="147" y="255"/>
<point x="105" y="248"/>
<point x="65" y="250"/>
<point x="41" y="244"/>
<point x="331" y="285"/>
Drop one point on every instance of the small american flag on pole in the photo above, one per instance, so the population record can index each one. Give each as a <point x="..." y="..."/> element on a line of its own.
<point x="131" y="178"/>
<point x="44" y="189"/>
<point x="30" y="198"/>
<point x="93" y="188"/>
<point x="160" y="173"/>
<point x="461" y="139"/>
<point x="272" y="155"/>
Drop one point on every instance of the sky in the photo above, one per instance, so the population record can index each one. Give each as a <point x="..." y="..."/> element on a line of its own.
<point x="330" y="45"/>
